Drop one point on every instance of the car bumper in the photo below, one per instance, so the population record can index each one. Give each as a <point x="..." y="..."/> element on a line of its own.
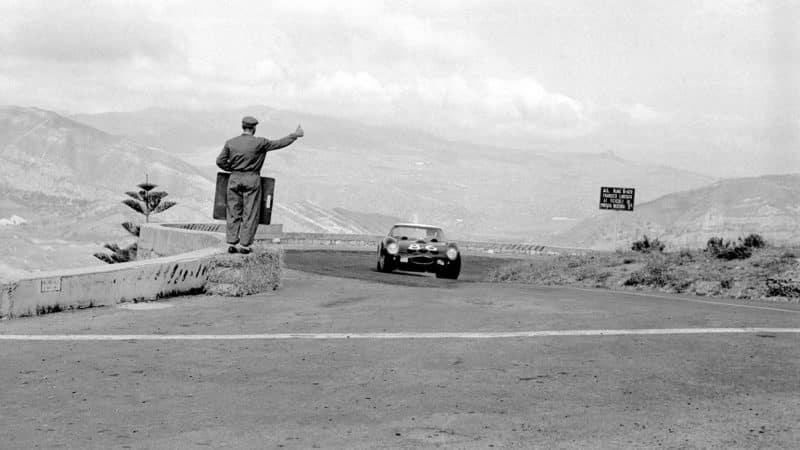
<point x="420" y="263"/>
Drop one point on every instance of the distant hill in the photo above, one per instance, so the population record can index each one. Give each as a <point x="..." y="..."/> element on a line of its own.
<point x="67" y="180"/>
<point x="41" y="151"/>
<point x="475" y="191"/>
<point x="767" y="205"/>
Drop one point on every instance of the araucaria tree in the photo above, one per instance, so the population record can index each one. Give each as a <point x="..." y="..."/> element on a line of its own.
<point x="146" y="202"/>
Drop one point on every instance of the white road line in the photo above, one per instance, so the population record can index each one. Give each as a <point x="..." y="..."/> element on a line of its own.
<point x="420" y="335"/>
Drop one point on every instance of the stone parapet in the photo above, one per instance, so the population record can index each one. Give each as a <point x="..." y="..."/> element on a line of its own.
<point x="106" y="285"/>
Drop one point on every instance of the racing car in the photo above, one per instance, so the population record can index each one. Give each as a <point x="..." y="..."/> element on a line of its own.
<point x="419" y="248"/>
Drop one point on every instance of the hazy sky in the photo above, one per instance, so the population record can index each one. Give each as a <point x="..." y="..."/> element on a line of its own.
<point x="711" y="85"/>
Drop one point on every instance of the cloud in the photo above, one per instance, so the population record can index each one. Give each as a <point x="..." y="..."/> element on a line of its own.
<point x="732" y="8"/>
<point x="410" y="64"/>
<point x="93" y="30"/>
<point x="640" y="114"/>
<point x="494" y="106"/>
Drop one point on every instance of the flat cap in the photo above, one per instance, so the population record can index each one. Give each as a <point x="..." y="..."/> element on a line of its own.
<point x="249" y="121"/>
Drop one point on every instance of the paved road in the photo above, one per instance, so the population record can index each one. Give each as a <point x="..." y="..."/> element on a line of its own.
<point x="410" y="389"/>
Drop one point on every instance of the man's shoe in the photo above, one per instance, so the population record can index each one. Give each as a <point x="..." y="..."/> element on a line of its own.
<point x="244" y="249"/>
<point x="232" y="249"/>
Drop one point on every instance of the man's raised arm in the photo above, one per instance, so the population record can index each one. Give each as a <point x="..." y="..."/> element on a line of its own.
<point x="286" y="141"/>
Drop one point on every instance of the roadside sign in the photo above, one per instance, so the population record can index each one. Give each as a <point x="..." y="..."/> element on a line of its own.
<point x="617" y="198"/>
<point x="50" y="285"/>
<point x="220" y="211"/>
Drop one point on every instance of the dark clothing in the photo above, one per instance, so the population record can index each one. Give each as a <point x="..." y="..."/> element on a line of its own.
<point x="246" y="153"/>
<point x="244" y="207"/>
<point x="243" y="156"/>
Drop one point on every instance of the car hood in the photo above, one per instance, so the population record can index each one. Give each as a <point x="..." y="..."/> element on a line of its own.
<point x="404" y="245"/>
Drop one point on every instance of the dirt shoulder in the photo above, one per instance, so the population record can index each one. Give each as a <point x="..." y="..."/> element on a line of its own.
<point x="769" y="274"/>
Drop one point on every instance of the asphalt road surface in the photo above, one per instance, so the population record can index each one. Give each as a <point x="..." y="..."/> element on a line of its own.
<point x="373" y="360"/>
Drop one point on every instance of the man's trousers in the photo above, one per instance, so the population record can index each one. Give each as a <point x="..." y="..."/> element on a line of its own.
<point x="244" y="207"/>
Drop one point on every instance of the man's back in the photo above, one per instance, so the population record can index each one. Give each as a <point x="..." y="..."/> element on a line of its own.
<point x="245" y="153"/>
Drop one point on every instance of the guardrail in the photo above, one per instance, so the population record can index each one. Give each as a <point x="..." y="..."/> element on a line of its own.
<point x="372" y="241"/>
<point x="276" y="234"/>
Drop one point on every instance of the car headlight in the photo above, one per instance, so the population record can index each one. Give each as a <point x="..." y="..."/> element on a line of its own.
<point x="452" y="253"/>
<point x="391" y="248"/>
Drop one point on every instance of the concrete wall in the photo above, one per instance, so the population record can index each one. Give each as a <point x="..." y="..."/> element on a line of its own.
<point x="371" y="241"/>
<point x="173" y="259"/>
<point x="159" y="240"/>
<point x="106" y="285"/>
<point x="156" y="240"/>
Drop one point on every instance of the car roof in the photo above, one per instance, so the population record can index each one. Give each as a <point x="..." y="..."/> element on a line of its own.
<point x="415" y="225"/>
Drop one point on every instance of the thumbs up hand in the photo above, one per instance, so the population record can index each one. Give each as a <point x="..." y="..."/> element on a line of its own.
<point x="298" y="133"/>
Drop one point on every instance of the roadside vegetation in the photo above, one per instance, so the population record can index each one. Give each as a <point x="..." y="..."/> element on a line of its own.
<point x="746" y="268"/>
<point x="146" y="202"/>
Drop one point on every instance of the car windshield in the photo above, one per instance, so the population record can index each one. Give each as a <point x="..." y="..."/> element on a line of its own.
<point x="415" y="233"/>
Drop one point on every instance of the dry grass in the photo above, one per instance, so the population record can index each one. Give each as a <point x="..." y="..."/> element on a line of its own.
<point x="771" y="273"/>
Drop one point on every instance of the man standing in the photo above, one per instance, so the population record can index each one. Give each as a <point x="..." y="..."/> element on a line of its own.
<point x="243" y="156"/>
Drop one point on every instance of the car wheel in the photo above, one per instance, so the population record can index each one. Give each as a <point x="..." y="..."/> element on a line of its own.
<point x="451" y="271"/>
<point x="383" y="263"/>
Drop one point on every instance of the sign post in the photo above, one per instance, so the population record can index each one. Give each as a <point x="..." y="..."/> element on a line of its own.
<point x="617" y="199"/>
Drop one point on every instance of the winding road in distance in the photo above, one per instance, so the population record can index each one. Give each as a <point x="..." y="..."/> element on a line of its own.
<point x="345" y="357"/>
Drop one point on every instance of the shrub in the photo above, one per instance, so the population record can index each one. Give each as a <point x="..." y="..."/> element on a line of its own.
<point x="728" y="250"/>
<point x="714" y="245"/>
<point x="654" y="273"/>
<point x="754" y="241"/>
<point x="645" y="245"/>
<point x="735" y="252"/>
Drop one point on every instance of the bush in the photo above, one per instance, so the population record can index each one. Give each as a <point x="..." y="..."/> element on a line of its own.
<point x="714" y="245"/>
<point x="645" y="245"/>
<point x="754" y="241"/>
<point x="730" y="250"/>
<point x="735" y="252"/>
<point x="654" y="273"/>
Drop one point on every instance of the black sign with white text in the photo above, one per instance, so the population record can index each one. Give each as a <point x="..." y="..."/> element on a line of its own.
<point x="616" y="198"/>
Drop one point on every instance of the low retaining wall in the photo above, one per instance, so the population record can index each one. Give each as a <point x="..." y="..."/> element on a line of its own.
<point x="157" y="240"/>
<point x="371" y="241"/>
<point x="325" y="239"/>
<point x="519" y="249"/>
<point x="174" y="259"/>
<point x="106" y="285"/>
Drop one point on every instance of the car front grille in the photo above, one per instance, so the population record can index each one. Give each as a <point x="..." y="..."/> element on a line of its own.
<point x="422" y="251"/>
<point x="421" y="260"/>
